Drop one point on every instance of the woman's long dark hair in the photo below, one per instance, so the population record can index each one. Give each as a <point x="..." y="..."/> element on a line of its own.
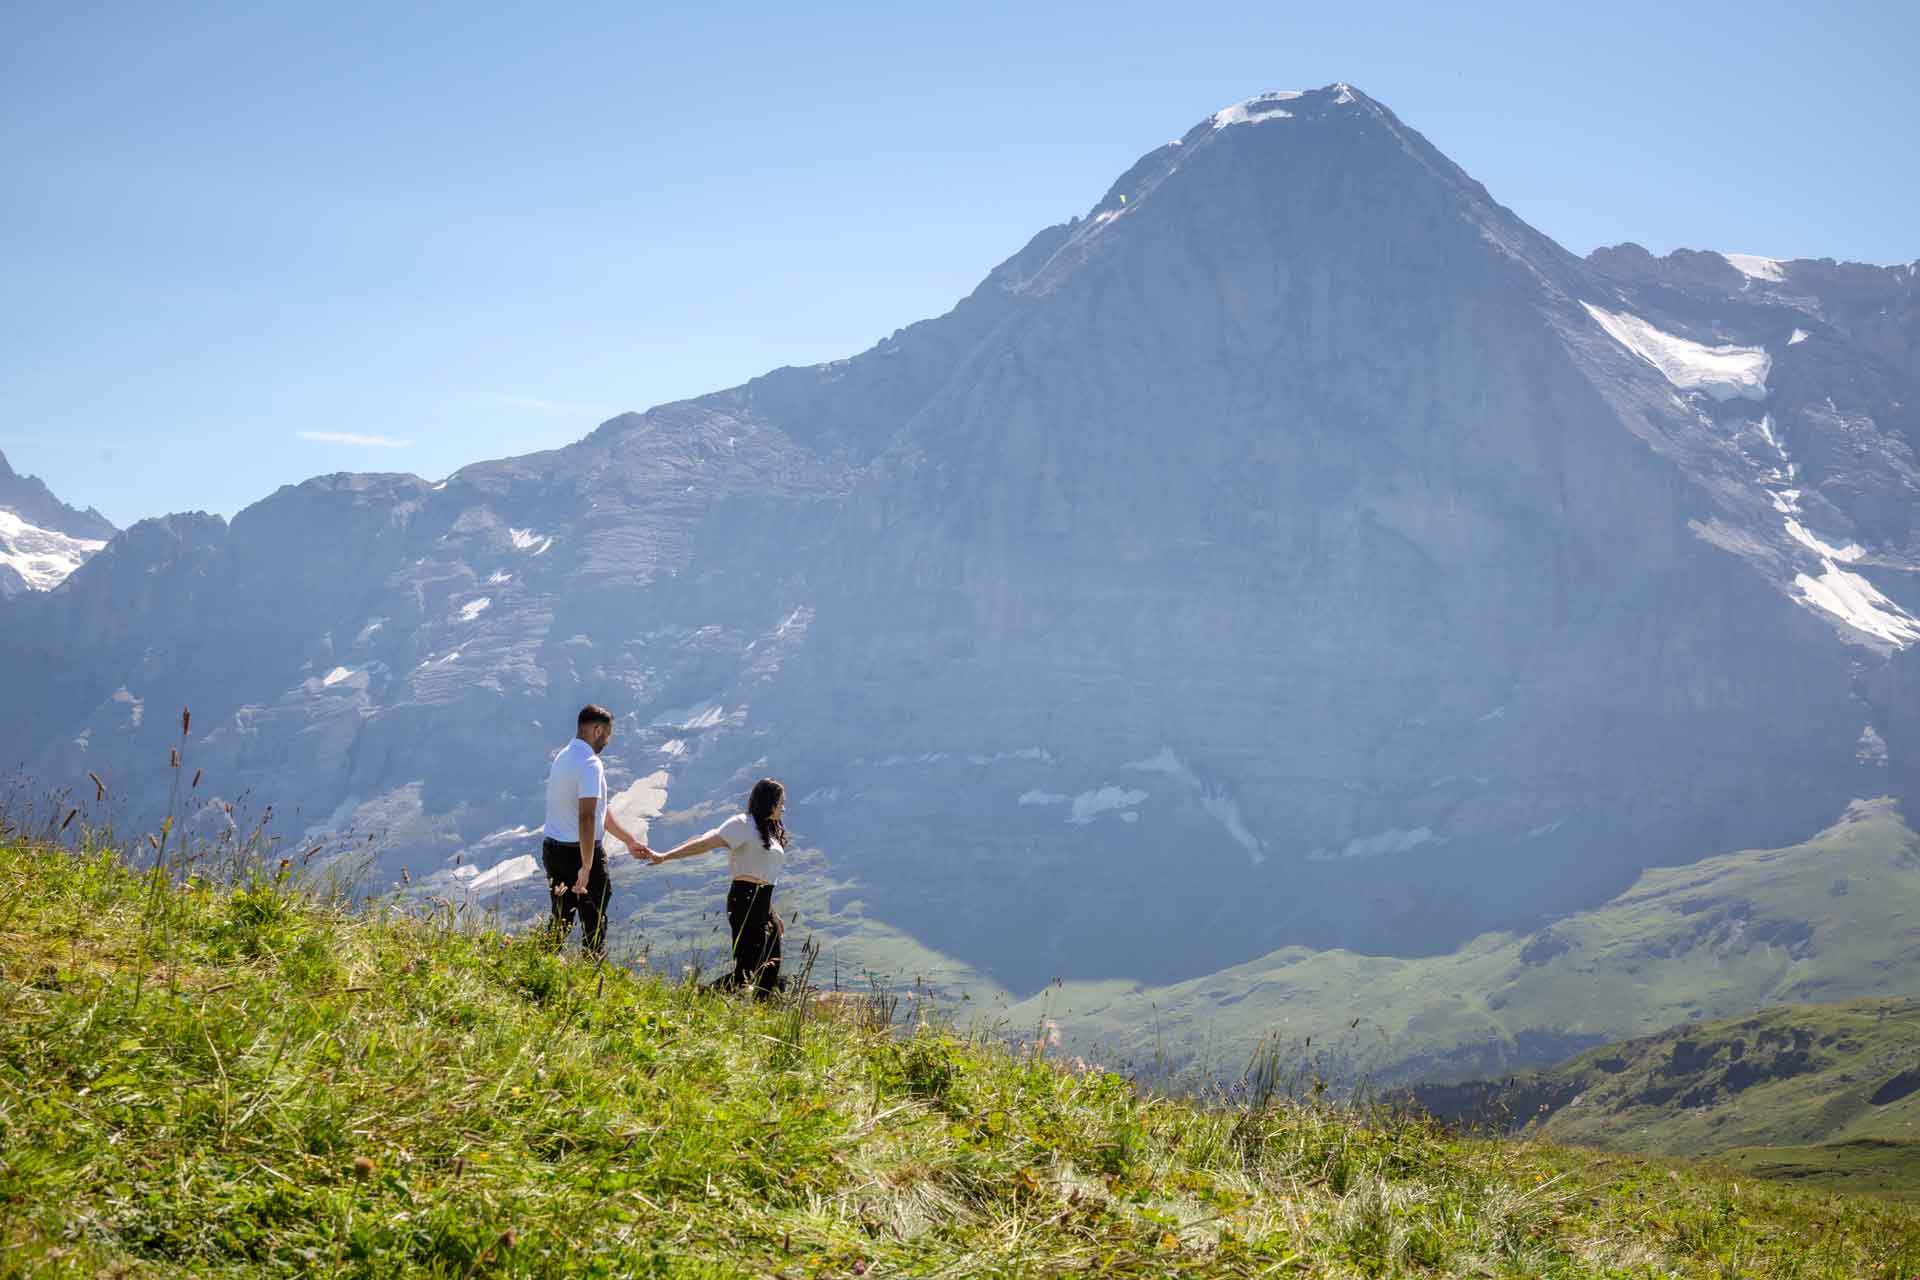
<point x="767" y="794"/>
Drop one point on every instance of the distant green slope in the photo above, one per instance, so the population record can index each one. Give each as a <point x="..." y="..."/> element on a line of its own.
<point x="1863" y="1165"/>
<point x="1827" y="1093"/>
<point x="202" y="1082"/>
<point x="1834" y="918"/>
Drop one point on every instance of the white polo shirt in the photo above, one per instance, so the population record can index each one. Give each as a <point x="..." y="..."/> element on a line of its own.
<point x="577" y="775"/>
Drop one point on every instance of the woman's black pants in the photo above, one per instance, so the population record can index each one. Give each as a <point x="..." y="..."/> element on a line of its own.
<point x="757" y="931"/>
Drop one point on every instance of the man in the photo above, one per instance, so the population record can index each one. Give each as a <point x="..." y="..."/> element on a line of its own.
<point x="576" y="817"/>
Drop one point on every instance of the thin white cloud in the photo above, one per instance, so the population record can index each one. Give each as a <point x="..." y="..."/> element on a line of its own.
<point x="539" y="405"/>
<point x="348" y="437"/>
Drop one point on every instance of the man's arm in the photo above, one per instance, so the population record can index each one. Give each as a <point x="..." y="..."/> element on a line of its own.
<point x="587" y="806"/>
<point x="636" y="846"/>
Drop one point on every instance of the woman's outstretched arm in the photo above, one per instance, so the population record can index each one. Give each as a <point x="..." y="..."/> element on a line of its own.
<point x="692" y="848"/>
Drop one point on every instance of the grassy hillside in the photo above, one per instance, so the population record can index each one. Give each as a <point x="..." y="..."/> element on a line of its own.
<point x="215" y="1082"/>
<point x="1828" y="1093"/>
<point x="1835" y="918"/>
<point x="1861" y="1166"/>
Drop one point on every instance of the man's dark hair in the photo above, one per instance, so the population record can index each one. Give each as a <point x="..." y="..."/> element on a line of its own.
<point x="594" y="713"/>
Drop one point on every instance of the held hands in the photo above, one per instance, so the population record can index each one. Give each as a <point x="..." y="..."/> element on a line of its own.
<point x="640" y="852"/>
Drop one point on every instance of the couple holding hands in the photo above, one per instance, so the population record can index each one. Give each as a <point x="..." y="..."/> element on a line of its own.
<point x="576" y="863"/>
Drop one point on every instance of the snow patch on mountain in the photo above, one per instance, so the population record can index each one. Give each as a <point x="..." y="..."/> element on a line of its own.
<point x="1836" y="591"/>
<point x="1040" y="754"/>
<point x="1265" y="106"/>
<point x="1723" y="372"/>
<point x="1755" y="267"/>
<point x="1799" y="336"/>
<point x="1806" y="538"/>
<point x="1871" y="748"/>
<point x="638" y="805"/>
<point x="512" y="871"/>
<point x="702" y="715"/>
<point x="1855" y="601"/>
<point x="335" y="676"/>
<point x="528" y="540"/>
<point x="1089" y="805"/>
<point x="1214" y="801"/>
<point x="41" y="557"/>
<point x="1392" y="840"/>
<point x="474" y="608"/>
<point x="1767" y="433"/>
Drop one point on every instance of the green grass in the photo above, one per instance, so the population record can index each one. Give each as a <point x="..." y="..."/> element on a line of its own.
<point x="214" y="1081"/>
<point x="1863" y="1165"/>
<point x="1837" y="917"/>
<point x="1827" y="1094"/>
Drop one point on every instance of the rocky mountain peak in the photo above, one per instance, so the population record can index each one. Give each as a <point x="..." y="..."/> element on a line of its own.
<point x="29" y="498"/>
<point x="1292" y="173"/>
<point x="42" y="539"/>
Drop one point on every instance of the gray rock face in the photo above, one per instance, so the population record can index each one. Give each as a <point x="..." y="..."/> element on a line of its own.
<point x="1298" y="548"/>
<point x="42" y="539"/>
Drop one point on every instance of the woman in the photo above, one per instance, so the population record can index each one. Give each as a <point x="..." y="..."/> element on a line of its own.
<point x="756" y="845"/>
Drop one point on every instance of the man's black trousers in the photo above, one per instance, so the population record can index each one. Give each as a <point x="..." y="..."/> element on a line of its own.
<point x="562" y="861"/>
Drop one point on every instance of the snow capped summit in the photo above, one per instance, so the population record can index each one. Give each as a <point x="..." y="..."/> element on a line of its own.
<point x="1273" y="105"/>
<point x="36" y="559"/>
<point x="1265" y="106"/>
<point x="42" y="539"/>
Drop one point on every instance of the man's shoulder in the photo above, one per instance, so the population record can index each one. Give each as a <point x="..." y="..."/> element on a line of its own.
<point x="573" y="752"/>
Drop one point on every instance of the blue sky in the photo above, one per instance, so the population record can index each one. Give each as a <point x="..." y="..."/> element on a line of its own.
<point x="237" y="239"/>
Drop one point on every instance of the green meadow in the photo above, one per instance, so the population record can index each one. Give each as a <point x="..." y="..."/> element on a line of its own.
<point x="238" y="1076"/>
